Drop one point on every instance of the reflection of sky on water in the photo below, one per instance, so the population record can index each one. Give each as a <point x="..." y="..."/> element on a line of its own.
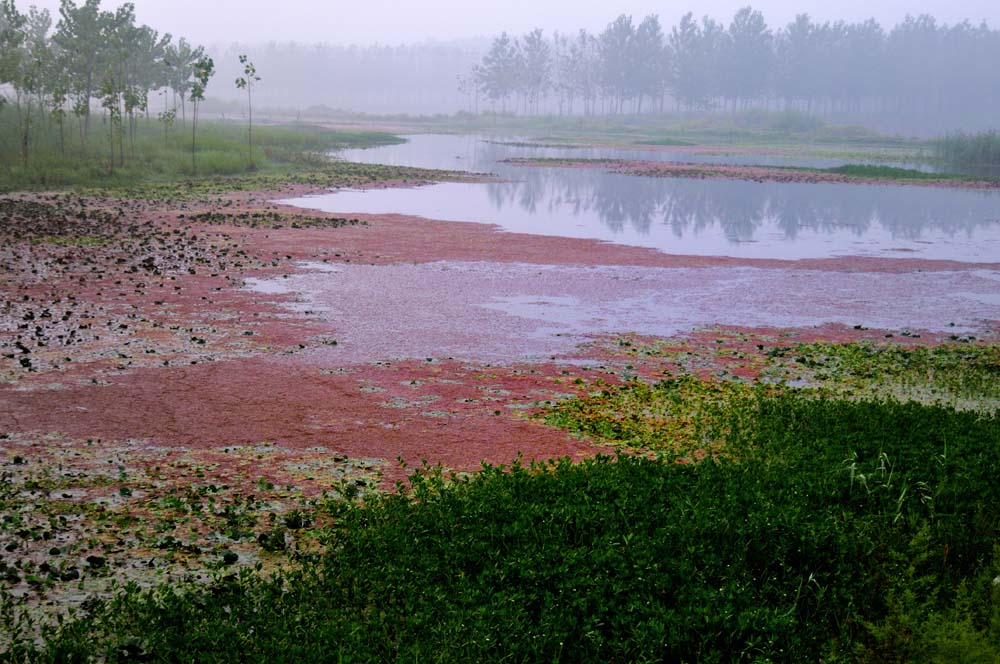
<point x="684" y="216"/>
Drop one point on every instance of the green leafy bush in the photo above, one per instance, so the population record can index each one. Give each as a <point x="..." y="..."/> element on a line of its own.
<point x="836" y="532"/>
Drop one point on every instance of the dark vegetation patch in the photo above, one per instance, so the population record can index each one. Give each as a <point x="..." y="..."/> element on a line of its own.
<point x="75" y="268"/>
<point x="270" y="219"/>
<point x="888" y="172"/>
<point x="837" y="531"/>
<point x="315" y="172"/>
<point x="982" y="149"/>
<point x="57" y="251"/>
<point x="666" y="141"/>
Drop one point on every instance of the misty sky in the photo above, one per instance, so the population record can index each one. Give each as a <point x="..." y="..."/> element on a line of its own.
<point x="401" y="21"/>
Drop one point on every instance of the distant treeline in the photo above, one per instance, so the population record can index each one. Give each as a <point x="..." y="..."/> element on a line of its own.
<point x="918" y="77"/>
<point x="919" y="69"/>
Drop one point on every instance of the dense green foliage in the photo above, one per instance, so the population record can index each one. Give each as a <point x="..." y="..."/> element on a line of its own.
<point x="981" y="149"/>
<point x="842" y="532"/>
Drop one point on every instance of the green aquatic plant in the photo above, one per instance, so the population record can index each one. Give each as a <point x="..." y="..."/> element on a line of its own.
<point x="781" y="553"/>
<point x="681" y="415"/>
<point x="961" y="374"/>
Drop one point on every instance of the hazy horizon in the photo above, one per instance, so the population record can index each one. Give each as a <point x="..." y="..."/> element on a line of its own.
<point x="389" y="23"/>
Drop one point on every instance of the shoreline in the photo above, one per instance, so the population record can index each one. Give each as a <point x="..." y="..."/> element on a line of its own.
<point x="753" y="173"/>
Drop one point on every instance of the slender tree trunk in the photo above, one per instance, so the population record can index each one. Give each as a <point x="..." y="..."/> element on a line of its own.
<point x="166" y="145"/>
<point x="25" y="137"/>
<point x="250" y="126"/>
<point x="121" y="137"/>
<point x="24" y="126"/>
<point x="111" y="141"/>
<point x="85" y="104"/>
<point x="83" y="143"/>
<point x="194" y="130"/>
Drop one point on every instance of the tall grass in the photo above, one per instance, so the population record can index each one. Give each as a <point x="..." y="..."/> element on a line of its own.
<point x="982" y="149"/>
<point x="221" y="150"/>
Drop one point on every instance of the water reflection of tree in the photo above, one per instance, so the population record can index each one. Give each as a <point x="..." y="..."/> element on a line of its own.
<point x="740" y="209"/>
<point x="690" y="207"/>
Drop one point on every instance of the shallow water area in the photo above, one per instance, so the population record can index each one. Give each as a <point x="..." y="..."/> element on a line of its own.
<point x="493" y="312"/>
<point x="711" y="217"/>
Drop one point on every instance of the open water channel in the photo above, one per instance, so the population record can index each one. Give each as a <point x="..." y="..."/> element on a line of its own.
<point x="711" y="217"/>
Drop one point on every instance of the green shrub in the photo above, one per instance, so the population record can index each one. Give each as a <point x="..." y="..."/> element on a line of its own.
<point x="835" y="524"/>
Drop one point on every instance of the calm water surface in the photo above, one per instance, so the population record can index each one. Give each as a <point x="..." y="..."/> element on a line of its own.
<point x="676" y="215"/>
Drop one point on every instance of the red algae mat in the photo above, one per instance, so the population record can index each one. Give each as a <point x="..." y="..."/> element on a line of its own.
<point x="508" y="312"/>
<point x="391" y="337"/>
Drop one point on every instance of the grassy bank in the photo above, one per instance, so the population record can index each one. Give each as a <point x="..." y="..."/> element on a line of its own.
<point x="153" y="156"/>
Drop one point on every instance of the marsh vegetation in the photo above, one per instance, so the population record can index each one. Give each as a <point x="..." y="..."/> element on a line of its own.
<point x="823" y="522"/>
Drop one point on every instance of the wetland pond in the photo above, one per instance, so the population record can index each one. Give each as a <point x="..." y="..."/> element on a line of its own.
<point x="503" y="311"/>
<point x="708" y="217"/>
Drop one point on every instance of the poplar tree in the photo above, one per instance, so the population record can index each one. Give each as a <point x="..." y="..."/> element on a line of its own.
<point x="204" y="69"/>
<point x="246" y="82"/>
